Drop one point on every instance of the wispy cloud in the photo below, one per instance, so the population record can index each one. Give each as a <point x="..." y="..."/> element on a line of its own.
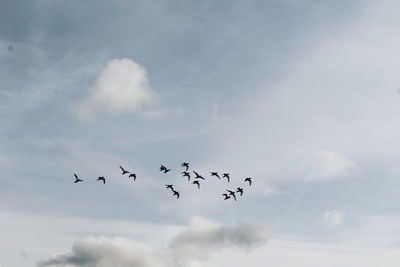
<point x="121" y="87"/>
<point x="325" y="165"/>
<point x="332" y="218"/>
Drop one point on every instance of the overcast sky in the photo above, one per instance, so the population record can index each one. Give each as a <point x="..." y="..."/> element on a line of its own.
<point x="303" y="96"/>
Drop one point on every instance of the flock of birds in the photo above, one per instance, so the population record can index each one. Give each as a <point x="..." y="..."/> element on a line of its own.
<point x="196" y="180"/>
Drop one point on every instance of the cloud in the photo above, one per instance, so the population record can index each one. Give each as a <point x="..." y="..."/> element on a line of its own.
<point x="325" y="164"/>
<point x="122" y="87"/>
<point x="332" y="218"/>
<point x="188" y="248"/>
<point x="203" y="237"/>
<point x="104" y="251"/>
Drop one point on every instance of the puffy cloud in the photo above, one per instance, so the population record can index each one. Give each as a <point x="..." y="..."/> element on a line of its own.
<point x="122" y="87"/>
<point x="325" y="164"/>
<point x="332" y="218"/>
<point x="104" y="252"/>
<point x="188" y="248"/>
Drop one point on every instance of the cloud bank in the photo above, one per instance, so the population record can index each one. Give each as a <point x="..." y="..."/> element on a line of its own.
<point x="122" y="87"/>
<point x="188" y="248"/>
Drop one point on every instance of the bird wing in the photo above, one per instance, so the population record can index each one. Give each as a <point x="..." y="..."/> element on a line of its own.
<point x="76" y="176"/>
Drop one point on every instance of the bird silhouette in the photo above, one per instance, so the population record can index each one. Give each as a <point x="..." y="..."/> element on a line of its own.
<point x="248" y="179"/>
<point x="175" y="193"/>
<point x="132" y="175"/>
<point x="164" y="169"/>
<point x="123" y="170"/>
<point x="198" y="176"/>
<point x="215" y="174"/>
<point x="77" y="180"/>
<point x="226" y="175"/>
<point x="226" y="196"/>
<point x="170" y="186"/>
<point x="101" y="178"/>
<point x="186" y="174"/>
<point x="239" y="190"/>
<point x="196" y="182"/>
<point x="186" y="165"/>
<point x="232" y="194"/>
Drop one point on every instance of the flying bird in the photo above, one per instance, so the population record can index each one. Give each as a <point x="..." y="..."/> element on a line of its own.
<point x="123" y="170"/>
<point x="170" y="186"/>
<point x="232" y="194"/>
<point x="248" y="179"/>
<point x="176" y="193"/>
<point x="226" y="175"/>
<point x="226" y="196"/>
<point x="101" y="178"/>
<point x="215" y="174"/>
<point x="132" y="175"/>
<point x="186" y="174"/>
<point x="164" y="169"/>
<point x="239" y="190"/>
<point x="196" y="182"/>
<point x="198" y="176"/>
<point x="77" y="180"/>
<point x="186" y="165"/>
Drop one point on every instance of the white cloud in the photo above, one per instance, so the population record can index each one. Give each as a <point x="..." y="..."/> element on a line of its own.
<point x="122" y="87"/>
<point x="188" y="248"/>
<point x="332" y="218"/>
<point x="325" y="164"/>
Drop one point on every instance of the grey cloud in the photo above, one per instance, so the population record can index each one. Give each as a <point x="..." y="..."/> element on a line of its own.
<point x="104" y="251"/>
<point x="198" y="242"/>
<point x="192" y="245"/>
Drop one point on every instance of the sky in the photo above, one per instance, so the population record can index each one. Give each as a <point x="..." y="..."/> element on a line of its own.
<point x="303" y="96"/>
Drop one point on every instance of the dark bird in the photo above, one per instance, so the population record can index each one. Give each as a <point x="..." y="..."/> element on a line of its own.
<point x="248" y="179"/>
<point x="226" y="196"/>
<point x="77" y="180"/>
<point x="226" y="175"/>
<point x="170" y="186"/>
<point x="176" y="193"/>
<point x="123" y="170"/>
<point x="198" y="184"/>
<point x="101" y="178"/>
<point x="186" y="174"/>
<point x="198" y="176"/>
<point x="239" y="190"/>
<point x="186" y="165"/>
<point x="132" y="175"/>
<point x="164" y="169"/>
<point x="232" y="194"/>
<point x="215" y="174"/>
